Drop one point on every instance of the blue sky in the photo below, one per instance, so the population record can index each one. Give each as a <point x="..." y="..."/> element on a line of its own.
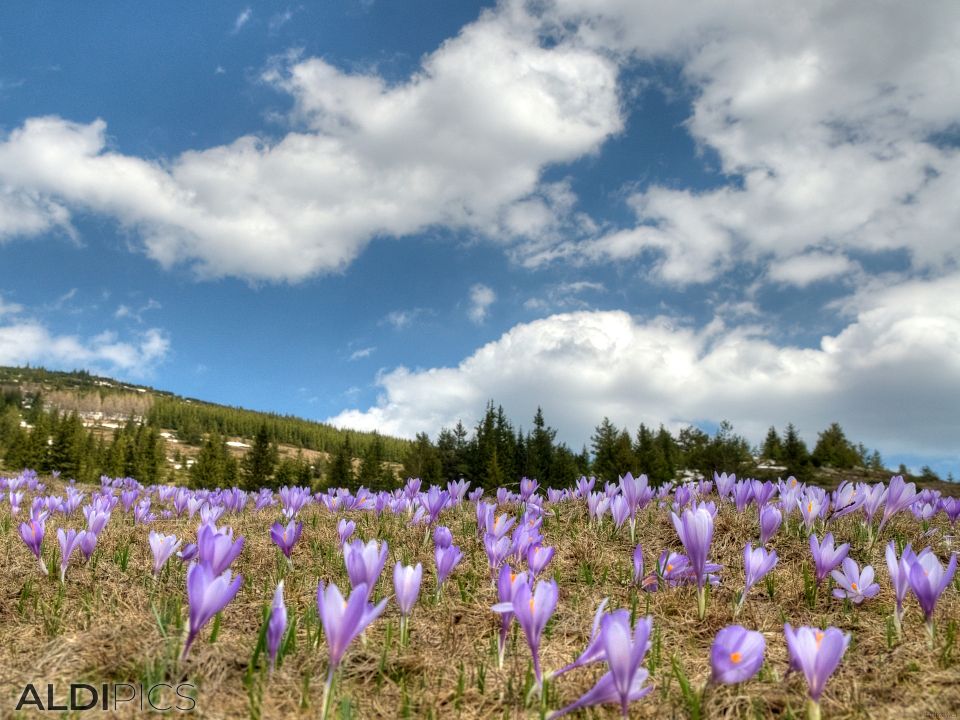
<point x="382" y="214"/>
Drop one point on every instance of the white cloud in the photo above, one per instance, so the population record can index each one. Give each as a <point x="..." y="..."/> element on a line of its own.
<point x="563" y="296"/>
<point x="401" y="319"/>
<point x="802" y="270"/>
<point x="891" y="377"/>
<point x="481" y="298"/>
<point x="9" y="308"/>
<point x="125" y="311"/>
<point x="458" y="143"/>
<point x="362" y="353"/>
<point x="242" y="19"/>
<point x="829" y="137"/>
<point x="28" y="341"/>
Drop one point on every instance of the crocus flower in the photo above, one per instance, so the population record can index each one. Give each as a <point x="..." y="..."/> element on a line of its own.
<point x="538" y="557"/>
<point x="532" y="608"/>
<point x="365" y="562"/>
<point x="345" y="529"/>
<point x="606" y="691"/>
<point x="442" y="537"/>
<point x="899" y="569"/>
<point x="928" y="580"/>
<point x="624" y="652"/>
<point x="756" y="564"/>
<point x="637" y="564"/>
<point x="736" y="654"/>
<point x="406" y="588"/>
<point x="770" y="519"/>
<point x="188" y="553"/>
<point x="342" y="621"/>
<point x="276" y="625"/>
<point x="447" y="559"/>
<point x="816" y="653"/>
<point x="855" y="585"/>
<point x="900" y="496"/>
<point x="88" y="544"/>
<point x="162" y="546"/>
<point x="507" y="584"/>
<point x="69" y="541"/>
<point x="695" y="528"/>
<point x="825" y="556"/>
<point x="207" y="593"/>
<point x="32" y="533"/>
<point x="216" y="548"/>
<point x="286" y="537"/>
<point x="594" y="652"/>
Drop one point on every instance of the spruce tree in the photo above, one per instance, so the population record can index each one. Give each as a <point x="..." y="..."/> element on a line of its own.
<point x="260" y="461"/>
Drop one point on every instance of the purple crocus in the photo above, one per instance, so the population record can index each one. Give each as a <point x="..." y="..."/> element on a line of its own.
<point x="816" y="653"/>
<point x="899" y="569"/>
<point x="928" y="580"/>
<point x="447" y="559"/>
<point x="770" y="519"/>
<point x="532" y="607"/>
<point x="855" y="584"/>
<point x="276" y="625"/>
<point x="825" y="556"/>
<point x="69" y="541"/>
<point x="594" y="651"/>
<point x="162" y="546"/>
<point x="216" y="548"/>
<point x="342" y="620"/>
<point x="900" y="496"/>
<point x="736" y="655"/>
<point x="365" y="563"/>
<point x="624" y="652"/>
<point x="695" y="528"/>
<point x="286" y="537"/>
<point x="638" y="565"/>
<point x="507" y="584"/>
<point x="538" y="557"/>
<point x="207" y="593"/>
<point x="442" y="537"/>
<point x="345" y="529"/>
<point x="406" y="588"/>
<point x="32" y="533"/>
<point x="756" y="564"/>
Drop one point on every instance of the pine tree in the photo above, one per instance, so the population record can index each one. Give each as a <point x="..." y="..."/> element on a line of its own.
<point x="795" y="454"/>
<point x="540" y="449"/>
<point x="261" y="459"/>
<point x="340" y="470"/>
<point x="834" y="450"/>
<point x="422" y="461"/>
<point x="371" y="471"/>
<point x="772" y="447"/>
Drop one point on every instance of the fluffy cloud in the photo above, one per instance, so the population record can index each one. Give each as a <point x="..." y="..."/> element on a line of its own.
<point x="457" y="144"/>
<point x="835" y="145"/>
<point x="891" y="377"/>
<point x="27" y="341"/>
<point x="481" y="298"/>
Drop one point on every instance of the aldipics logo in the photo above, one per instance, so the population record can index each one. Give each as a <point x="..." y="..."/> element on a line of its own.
<point x="161" y="697"/>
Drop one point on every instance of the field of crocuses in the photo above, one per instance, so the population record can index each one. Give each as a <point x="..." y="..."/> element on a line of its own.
<point x="728" y="598"/>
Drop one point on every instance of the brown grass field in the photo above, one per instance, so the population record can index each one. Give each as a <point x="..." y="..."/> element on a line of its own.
<point x="108" y="624"/>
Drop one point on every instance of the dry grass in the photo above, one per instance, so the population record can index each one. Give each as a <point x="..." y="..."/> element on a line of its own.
<point x="103" y="627"/>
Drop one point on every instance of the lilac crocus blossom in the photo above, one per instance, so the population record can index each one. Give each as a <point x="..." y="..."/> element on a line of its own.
<point x="638" y="565"/>
<point x="756" y="564"/>
<point x="816" y="653"/>
<point x="69" y="541"/>
<point x="207" y="594"/>
<point x="447" y="559"/>
<point x="770" y="519"/>
<point x="900" y="496"/>
<point x="32" y="533"/>
<point x="162" y="547"/>
<point x="442" y="537"/>
<point x="406" y="589"/>
<point x="345" y="529"/>
<point x="695" y="528"/>
<point x="276" y="625"/>
<point x="216" y="548"/>
<point x="507" y="584"/>
<point x="626" y="680"/>
<point x="899" y="570"/>
<point x="594" y="651"/>
<point x="825" y="556"/>
<point x="532" y="607"/>
<point x="365" y="562"/>
<point x="928" y="580"/>
<point x="736" y="654"/>
<point x="538" y="557"/>
<point x="342" y="620"/>
<point x="855" y="584"/>
<point x="286" y="537"/>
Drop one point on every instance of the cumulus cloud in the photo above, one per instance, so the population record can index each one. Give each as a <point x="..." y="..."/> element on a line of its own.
<point x="832" y="144"/>
<point x="802" y="270"/>
<point x="891" y="376"/>
<point x="28" y="341"/>
<point x="481" y="298"/>
<point x="9" y="308"/>
<point x="457" y="144"/>
<point x="564" y="296"/>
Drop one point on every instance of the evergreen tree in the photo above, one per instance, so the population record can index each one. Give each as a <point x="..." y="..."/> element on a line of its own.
<point x="772" y="449"/>
<point x="260" y="461"/>
<point x="606" y="461"/>
<point x="371" y="470"/>
<point x="834" y="450"/>
<point x="540" y="449"/>
<point x="209" y="469"/>
<point x="422" y="461"/>
<point x="340" y="470"/>
<point x="795" y="454"/>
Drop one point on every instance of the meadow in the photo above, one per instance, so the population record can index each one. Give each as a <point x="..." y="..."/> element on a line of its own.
<point x="113" y="623"/>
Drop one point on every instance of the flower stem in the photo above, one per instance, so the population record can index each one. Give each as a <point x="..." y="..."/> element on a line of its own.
<point x="327" y="695"/>
<point x="813" y="709"/>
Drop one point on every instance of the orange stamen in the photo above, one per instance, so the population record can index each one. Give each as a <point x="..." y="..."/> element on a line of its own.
<point x="736" y="657"/>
